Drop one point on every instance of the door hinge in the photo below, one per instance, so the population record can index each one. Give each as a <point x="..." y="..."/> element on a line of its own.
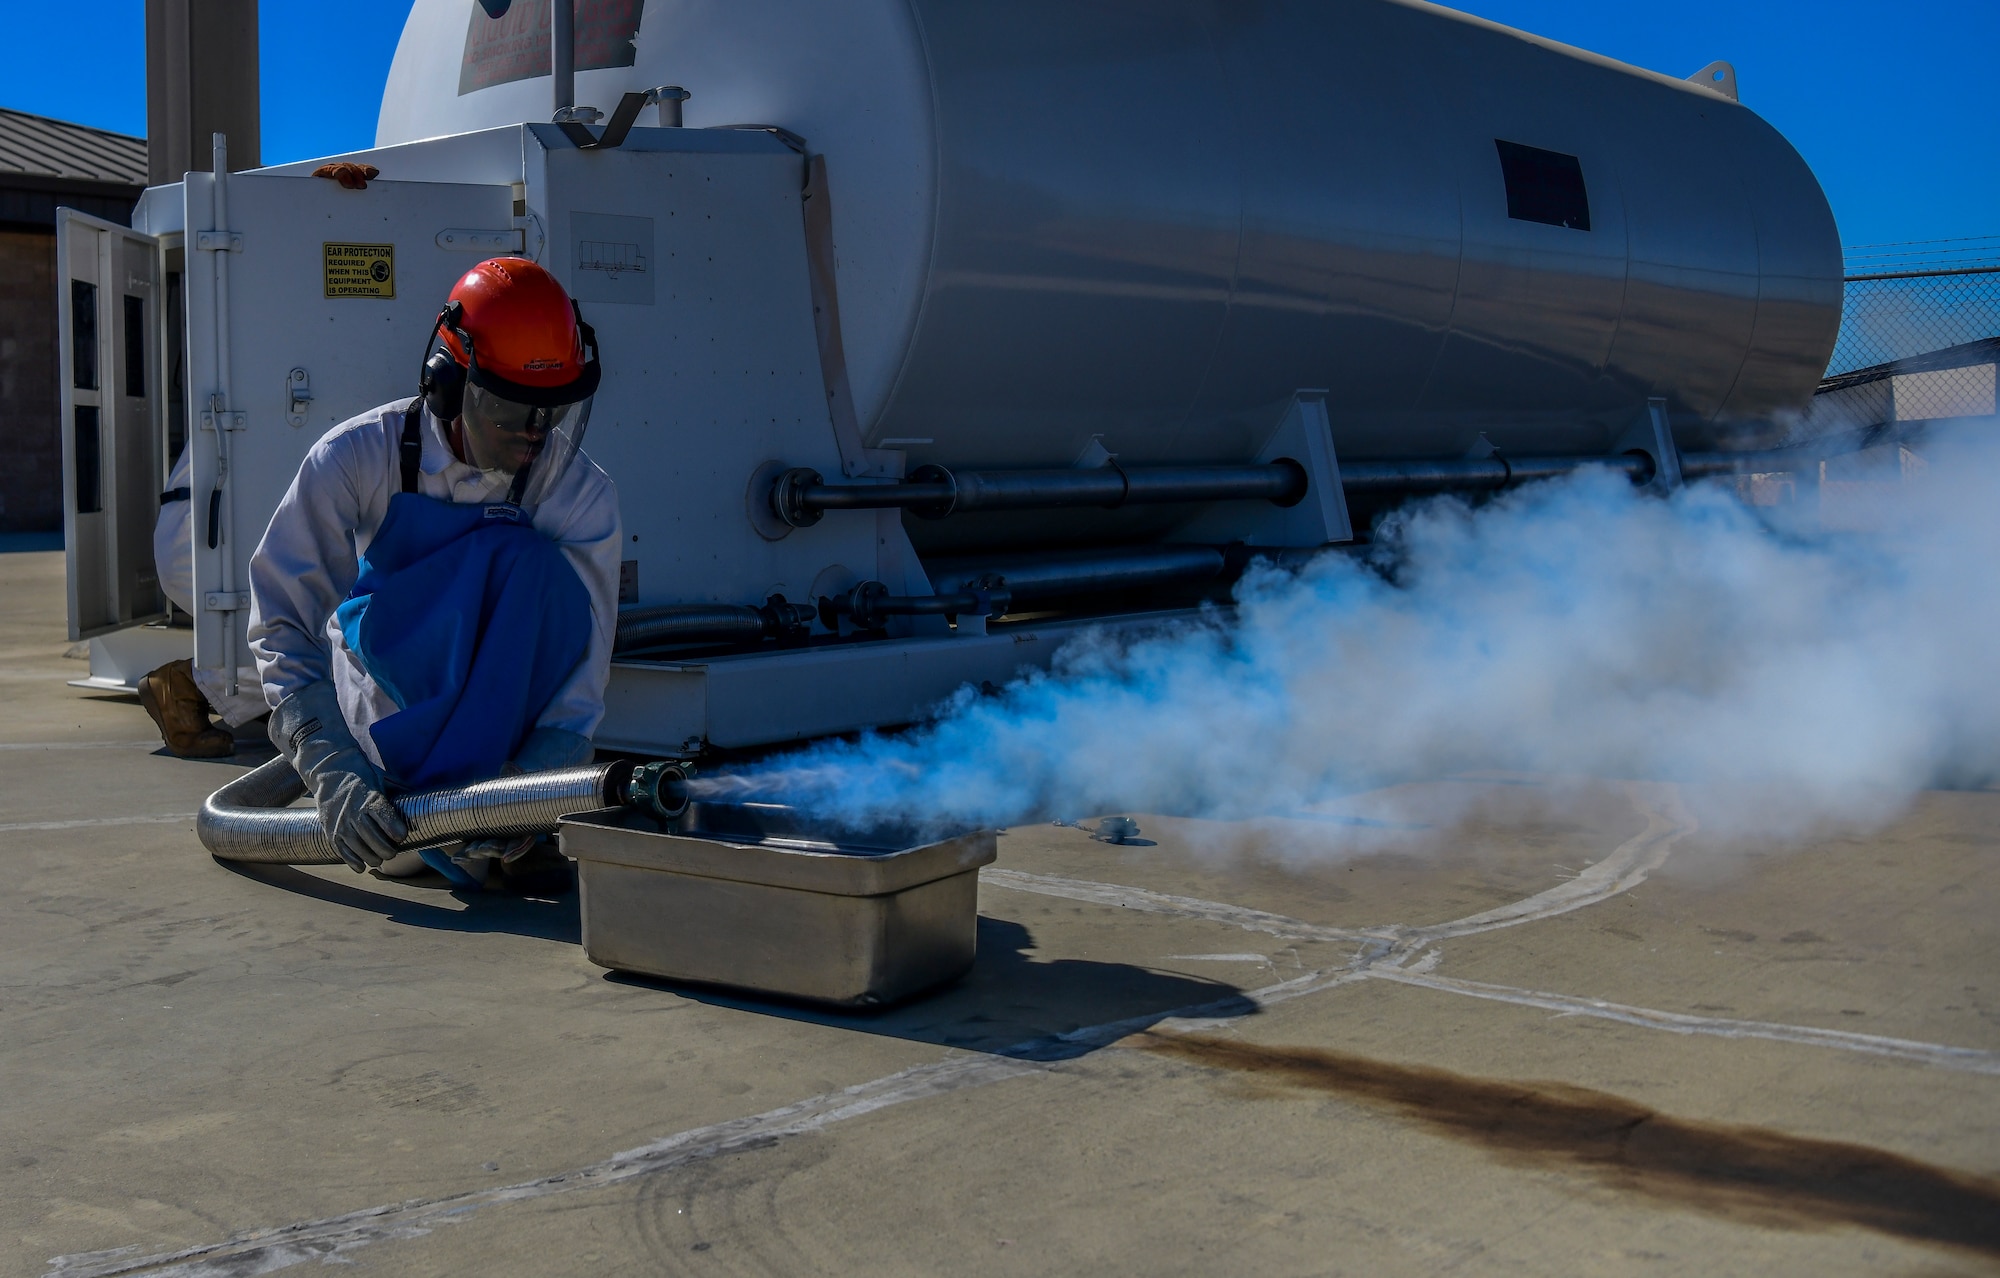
<point x="298" y="396"/>
<point x="226" y="600"/>
<point x="230" y="421"/>
<point x="219" y="241"/>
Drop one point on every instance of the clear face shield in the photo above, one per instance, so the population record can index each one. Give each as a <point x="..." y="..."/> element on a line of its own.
<point x="533" y="445"/>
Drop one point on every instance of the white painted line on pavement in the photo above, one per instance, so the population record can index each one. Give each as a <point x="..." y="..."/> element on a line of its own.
<point x="81" y="823"/>
<point x="1969" y="1059"/>
<point x="152" y="744"/>
<point x="1186" y="907"/>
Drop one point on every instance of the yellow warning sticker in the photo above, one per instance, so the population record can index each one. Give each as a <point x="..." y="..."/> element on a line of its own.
<point x="360" y="270"/>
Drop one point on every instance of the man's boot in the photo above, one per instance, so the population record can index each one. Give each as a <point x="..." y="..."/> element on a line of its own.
<point x="181" y="712"/>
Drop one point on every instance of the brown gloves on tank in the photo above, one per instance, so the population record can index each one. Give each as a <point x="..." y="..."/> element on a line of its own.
<point x="355" y="177"/>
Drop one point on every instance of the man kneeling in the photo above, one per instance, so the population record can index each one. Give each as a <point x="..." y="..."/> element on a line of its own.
<point x="434" y="601"/>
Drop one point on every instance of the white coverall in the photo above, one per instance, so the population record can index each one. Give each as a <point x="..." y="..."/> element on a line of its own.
<point x="173" y="558"/>
<point x="309" y="560"/>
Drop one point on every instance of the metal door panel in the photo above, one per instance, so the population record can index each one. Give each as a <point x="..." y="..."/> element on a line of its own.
<point x="358" y="352"/>
<point x="109" y="320"/>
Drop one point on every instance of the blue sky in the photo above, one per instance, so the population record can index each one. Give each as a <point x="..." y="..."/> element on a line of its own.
<point x="1892" y="103"/>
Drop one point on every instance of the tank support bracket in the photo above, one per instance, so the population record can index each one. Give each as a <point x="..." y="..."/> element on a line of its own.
<point x="1652" y="434"/>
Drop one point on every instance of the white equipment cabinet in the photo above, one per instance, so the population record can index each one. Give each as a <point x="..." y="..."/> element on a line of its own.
<point x="307" y="303"/>
<point x="263" y="336"/>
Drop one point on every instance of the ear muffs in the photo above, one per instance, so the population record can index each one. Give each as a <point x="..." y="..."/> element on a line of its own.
<point x="586" y="334"/>
<point x="441" y="384"/>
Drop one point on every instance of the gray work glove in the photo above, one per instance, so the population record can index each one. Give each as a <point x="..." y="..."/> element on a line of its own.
<point x="308" y="729"/>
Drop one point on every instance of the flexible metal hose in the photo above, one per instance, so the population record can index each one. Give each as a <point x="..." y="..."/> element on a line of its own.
<point x="250" y="818"/>
<point x="688" y="623"/>
<point x="659" y="626"/>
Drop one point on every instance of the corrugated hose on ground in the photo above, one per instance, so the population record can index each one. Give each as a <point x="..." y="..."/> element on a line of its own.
<point x="251" y="819"/>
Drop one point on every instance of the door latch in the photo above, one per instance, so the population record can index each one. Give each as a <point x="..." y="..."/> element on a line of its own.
<point x="298" y="396"/>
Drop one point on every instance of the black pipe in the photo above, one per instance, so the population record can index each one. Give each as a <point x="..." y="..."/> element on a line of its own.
<point x="710" y="623"/>
<point x="992" y="588"/>
<point x="801" y="496"/>
<point x="1478" y="474"/>
<point x="1707" y="465"/>
<point x="1490" y="473"/>
<point x="870" y="605"/>
<point x="1038" y="577"/>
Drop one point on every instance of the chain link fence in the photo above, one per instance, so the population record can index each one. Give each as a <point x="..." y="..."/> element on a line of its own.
<point x="1919" y="337"/>
<point x="1919" y="345"/>
<point x="1908" y="300"/>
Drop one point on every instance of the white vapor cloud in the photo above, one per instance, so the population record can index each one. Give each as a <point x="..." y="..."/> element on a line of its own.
<point x="1573" y="628"/>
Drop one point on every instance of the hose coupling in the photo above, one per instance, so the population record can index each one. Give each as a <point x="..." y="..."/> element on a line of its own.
<point x="859" y="606"/>
<point x="785" y="620"/>
<point x="659" y="788"/>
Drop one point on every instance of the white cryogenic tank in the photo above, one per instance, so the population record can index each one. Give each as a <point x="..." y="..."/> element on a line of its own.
<point x="1153" y="221"/>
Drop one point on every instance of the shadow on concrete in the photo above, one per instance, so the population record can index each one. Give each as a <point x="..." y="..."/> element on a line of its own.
<point x="1010" y="1004"/>
<point x="109" y="696"/>
<point x="250" y="753"/>
<point x="543" y="918"/>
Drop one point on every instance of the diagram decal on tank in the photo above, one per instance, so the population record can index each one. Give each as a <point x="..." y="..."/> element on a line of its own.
<point x="611" y="258"/>
<point x="508" y="41"/>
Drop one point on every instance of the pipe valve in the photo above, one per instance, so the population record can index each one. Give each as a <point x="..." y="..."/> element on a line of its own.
<point x="788" y="496"/>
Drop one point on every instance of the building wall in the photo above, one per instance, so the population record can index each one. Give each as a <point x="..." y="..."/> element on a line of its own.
<point x="30" y="440"/>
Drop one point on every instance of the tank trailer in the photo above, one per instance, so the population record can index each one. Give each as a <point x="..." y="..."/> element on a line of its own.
<point x="934" y="332"/>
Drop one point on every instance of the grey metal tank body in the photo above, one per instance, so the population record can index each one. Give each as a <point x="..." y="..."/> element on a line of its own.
<point x="1151" y="221"/>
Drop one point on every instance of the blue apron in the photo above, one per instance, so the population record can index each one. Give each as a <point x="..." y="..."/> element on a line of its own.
<point x="470" y="620"/>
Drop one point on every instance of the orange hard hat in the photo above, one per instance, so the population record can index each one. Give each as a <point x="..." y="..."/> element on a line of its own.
<point x="527" y="337"/>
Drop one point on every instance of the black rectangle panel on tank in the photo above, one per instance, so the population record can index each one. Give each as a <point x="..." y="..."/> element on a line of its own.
<point x="1544" y="186"/>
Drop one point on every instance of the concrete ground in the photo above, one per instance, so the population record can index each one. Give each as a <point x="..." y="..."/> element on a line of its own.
<point x="1552" y="1035"/>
